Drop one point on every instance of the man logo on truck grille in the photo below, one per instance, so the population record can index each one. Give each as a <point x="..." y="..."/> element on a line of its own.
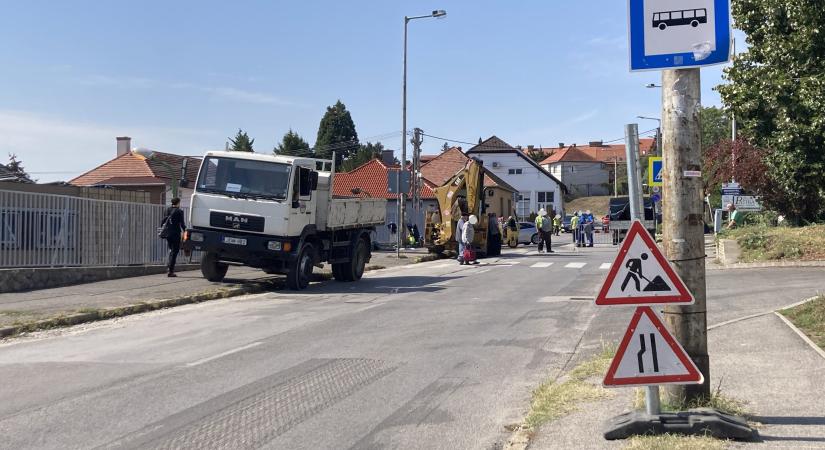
<point x="236" y="221"/>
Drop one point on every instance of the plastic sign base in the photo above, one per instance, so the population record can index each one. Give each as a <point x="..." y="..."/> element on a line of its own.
<point x="696" y="422"/>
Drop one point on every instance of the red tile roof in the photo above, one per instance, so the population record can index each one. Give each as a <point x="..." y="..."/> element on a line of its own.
<point x="441" y="168"/>
<point x="371" y="178"/>
<point x="163" y="166"/>
<point x="602" y="153"/>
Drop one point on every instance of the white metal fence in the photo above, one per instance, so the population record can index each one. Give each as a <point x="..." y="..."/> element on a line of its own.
<point x="44" y="230"/>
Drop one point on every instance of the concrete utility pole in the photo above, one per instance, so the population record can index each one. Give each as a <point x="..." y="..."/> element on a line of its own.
<point x="634" y="182"/>
<point x="683" y="238"/>
<point x="415" y="182"/>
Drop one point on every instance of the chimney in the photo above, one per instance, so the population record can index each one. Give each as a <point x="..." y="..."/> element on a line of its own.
<point x="124" y="145"/>
<point x="561" y="145"/>
<point x="387" y="157"/>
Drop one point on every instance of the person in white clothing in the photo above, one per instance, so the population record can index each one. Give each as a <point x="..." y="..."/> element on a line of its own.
<point x="467" y="237"/>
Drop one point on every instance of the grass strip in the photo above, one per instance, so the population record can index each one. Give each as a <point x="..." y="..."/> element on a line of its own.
<point x="554" y="399"/>
<point x="810" y="318"/>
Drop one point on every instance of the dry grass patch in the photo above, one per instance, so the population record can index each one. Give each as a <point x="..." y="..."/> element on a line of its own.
<point x="764" y="243"/>
<point x="674" y="442"/>
<point x="554" y="399"/>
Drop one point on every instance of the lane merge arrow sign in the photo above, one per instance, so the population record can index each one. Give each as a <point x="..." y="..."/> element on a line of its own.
<point x="640" y="275"/>
<point x="649" y="354"/>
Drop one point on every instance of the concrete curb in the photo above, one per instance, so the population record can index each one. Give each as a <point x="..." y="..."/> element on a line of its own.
<point x="256" y="287"/>
<point x="121" y="311"/>
<point x="804" y="337"/>
<point x="768" y="264"/>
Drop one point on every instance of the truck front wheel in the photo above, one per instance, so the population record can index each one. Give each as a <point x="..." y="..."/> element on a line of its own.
<point x="301" y="270"/>
<point x="212" y="269"/>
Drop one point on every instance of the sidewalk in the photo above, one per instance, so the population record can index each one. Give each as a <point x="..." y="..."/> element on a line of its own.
<point x="760" y="361"/>
<point x="92" y="301"/>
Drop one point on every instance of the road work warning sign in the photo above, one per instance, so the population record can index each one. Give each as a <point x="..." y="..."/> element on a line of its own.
<point x="648" y="354"/>
<point x="640" y="275"/>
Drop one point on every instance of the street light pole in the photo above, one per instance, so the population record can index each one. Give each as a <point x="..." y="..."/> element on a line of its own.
<point x="402" y="197"/>
<point x="658" y="133"/>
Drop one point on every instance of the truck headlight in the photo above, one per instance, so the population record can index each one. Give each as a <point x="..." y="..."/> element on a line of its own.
<point x="196" y="237"/>
<point x="274" y="245"/>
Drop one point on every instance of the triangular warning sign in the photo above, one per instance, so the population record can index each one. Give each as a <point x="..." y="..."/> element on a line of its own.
<point x="640" y="275"/>
<point x="649" y="354"/>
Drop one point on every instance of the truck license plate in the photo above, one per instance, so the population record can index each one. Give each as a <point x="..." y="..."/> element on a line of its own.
<point x="234" y="241"/>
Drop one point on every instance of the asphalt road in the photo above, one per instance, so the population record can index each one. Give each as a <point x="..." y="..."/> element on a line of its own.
<point x="432" y="355"/>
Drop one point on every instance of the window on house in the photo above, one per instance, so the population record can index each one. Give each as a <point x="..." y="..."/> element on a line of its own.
<point x="514" y="171"/>
<point x="523" y="205"/>
<point x="545" y="200"/>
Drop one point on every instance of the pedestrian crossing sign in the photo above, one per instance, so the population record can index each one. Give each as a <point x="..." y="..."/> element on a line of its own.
<point x="640" y="275"/>
<point x="654" y="172"/>
<point x="648" y="354"/>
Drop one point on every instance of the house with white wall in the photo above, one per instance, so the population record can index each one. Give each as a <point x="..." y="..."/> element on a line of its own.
<point x="537" y="188"/>
<point x="590" y="170"/>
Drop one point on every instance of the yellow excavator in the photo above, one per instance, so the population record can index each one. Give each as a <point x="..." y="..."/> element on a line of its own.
<point x="463" y="192"/>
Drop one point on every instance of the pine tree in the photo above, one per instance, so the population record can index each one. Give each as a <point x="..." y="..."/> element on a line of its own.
<point x="15" y="166"/>
<point x="293" y="144"/>
<point x="336" y="133"/>
<point x="242" y="143"/>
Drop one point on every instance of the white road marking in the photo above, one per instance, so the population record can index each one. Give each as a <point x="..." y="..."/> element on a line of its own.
<point x="221" y="355"/>
<point x="542" y="264"/>
<point x="575" y="265"/>
<point x="605" y="266"/>
<point x="483" y="270"/>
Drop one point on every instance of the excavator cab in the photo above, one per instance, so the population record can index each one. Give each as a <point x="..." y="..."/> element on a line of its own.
<point x="463" y="192"/>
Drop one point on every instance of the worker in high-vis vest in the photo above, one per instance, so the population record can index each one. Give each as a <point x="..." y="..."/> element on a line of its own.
<point x="544" y="228"/>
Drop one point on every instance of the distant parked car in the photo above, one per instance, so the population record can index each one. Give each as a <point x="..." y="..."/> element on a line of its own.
<point x="528" y="234"/>
<point x="565" y="223"/>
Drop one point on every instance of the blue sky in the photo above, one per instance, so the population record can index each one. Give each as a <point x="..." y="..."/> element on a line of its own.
<point x="183" y="76"/>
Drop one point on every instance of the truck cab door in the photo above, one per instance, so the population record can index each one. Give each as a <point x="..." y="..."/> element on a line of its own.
<point x="302" y="211"/>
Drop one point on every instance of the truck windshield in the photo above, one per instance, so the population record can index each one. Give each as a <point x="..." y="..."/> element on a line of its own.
<point x="244" y="178"/>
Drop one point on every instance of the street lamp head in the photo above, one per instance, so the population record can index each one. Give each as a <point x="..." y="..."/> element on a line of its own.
<point x="439" y="14"/>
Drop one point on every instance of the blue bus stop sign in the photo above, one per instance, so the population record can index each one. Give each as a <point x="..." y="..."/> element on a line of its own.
<point x="671" y="34"/>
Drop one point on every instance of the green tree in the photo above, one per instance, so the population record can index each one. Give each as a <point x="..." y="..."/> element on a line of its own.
<point x="293" y="144"/>
<point x="242" y="143"/>
<point x="777" y="95"/>
<point x="716" y="126"/>
<point x="15" y="167"/>
<point x="364" y="154"/>
<point x="336" y="133"/>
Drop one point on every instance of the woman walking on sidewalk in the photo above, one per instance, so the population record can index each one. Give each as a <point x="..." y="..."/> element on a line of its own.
<point x="173" y="226"/>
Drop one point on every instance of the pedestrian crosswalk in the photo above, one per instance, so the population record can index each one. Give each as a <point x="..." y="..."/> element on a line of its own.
<point x="538" y="265"/>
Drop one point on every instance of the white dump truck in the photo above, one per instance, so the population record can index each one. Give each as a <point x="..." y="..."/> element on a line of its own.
<point x="278" y="213"/>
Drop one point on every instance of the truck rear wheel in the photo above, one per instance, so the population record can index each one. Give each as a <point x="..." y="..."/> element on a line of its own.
<point x="300" y="271"/>
<point x="212" y="269"/>
<point x="354" y="269"/>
